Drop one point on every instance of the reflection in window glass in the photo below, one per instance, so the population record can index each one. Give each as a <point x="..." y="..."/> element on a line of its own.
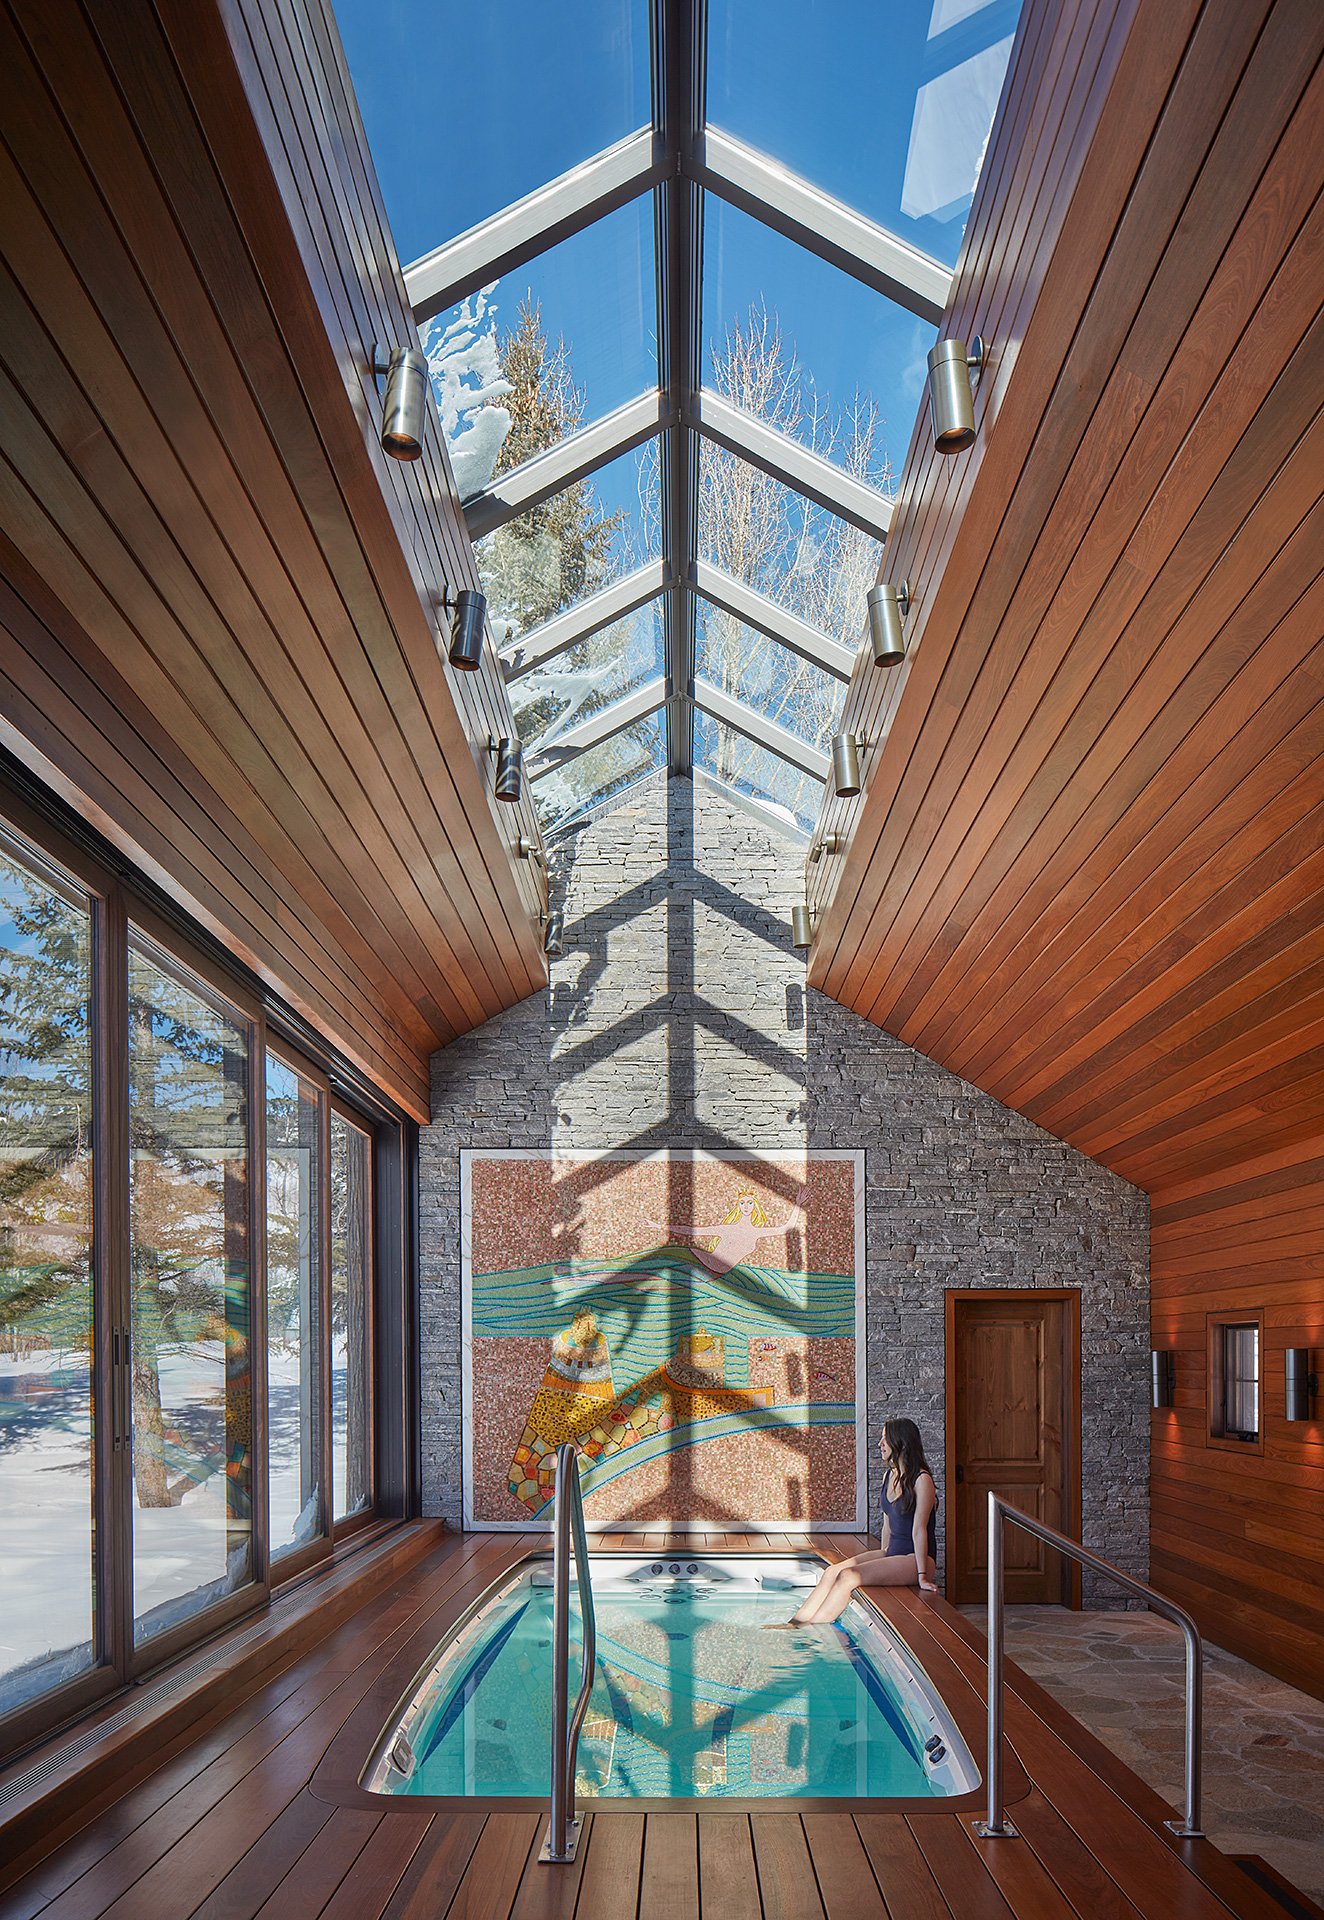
<point x="189" y="1254"/>
<point x="935" y="72"/>
<point x="294" y="1308"/>
<point x="809" y="349"/>
<point x="547" y="348"/>
<point x="582" y="539"/>
<point x="601" y="772"/>
<point x="592" y="674"/>
<point x="792" y="796"/>
<point x="776" y="683"/>
<point x="47" y="1567"/>
<point x="351" y="1293"/>
<point x="469" y="108"/>
<point x="785" y="547"/>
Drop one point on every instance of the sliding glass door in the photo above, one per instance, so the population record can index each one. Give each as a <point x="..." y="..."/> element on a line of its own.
<point x="47" y="1458"/>
<point x="187" y="1292"/>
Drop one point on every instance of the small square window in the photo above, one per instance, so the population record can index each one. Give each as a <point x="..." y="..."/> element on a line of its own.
<point x="1235" y="1382"/>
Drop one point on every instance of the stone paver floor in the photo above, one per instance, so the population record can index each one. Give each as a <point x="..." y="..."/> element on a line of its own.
<point x="1122" y="1675"/>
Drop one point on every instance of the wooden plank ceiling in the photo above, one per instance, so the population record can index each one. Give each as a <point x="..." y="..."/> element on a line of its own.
<point x="1085" y="870"/>
<point x="218" y="599"/>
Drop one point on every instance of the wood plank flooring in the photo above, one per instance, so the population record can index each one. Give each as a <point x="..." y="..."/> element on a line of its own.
<point x="232" y="1825"/>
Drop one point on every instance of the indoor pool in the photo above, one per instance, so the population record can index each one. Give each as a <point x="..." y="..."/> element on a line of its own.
<point x="693" y="1696"/>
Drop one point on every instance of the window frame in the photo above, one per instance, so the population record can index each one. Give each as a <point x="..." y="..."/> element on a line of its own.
<point x="121" y="899"/>
<point x="1217" y="1327"/>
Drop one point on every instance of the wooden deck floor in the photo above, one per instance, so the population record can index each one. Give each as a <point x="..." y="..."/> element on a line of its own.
<point x="231" y="1825"/>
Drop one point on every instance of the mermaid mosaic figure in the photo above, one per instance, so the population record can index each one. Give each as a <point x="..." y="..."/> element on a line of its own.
<point x="733" y="1241"/>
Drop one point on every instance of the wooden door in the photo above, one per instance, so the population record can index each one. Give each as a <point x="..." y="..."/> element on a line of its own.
<point x="1012" y="1394"/>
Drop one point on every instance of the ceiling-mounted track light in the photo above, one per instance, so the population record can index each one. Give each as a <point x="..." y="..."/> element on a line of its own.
<point x="954" y="371"/>
<point x="802" y="926"/>
<point x="468" y="611"/>
<point x="553" y="939"/>
<point x="405" y="372"/>
<point x="527" y="848"/>
<point x="509" y="784"/>
<point x="888" y="607"/>
<point x="830" y="843"/>
<point x="846" y="750"/>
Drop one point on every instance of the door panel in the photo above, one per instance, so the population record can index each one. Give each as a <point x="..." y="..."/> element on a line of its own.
<point x="1007" y="1366"/>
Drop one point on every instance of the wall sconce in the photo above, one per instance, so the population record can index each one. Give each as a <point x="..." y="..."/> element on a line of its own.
<point x="553" y="938"/>
<point x="1300" y="1383"/>
<point x="846" y="750"/>
<point x="954" y="371"/>
<point x="802" y="927"/>
<point x="1163" y="1377"/>
<point x="509" y="768"/>
<point x="468" y="611"/>
<point x="888" y="607"/>
<point x="830" y="843"/>
<point x="405" y="372"/>
<point x="527" y="848"/>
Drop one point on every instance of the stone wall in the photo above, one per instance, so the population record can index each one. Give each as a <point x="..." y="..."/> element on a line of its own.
<point x="679" y="1015"/>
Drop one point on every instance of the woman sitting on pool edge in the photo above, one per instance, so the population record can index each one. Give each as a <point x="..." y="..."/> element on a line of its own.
<point x="910" y="1502"/>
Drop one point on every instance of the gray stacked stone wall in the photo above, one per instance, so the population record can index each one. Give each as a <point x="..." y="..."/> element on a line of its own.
<point x="679" y="1015"/>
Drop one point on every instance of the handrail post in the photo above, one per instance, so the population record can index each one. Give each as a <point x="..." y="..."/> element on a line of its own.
<point x="997" y="1825"/>
<point x="563" y="1828"/>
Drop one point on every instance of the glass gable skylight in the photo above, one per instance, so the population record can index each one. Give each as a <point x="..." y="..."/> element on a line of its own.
<point x="677" y="268"/>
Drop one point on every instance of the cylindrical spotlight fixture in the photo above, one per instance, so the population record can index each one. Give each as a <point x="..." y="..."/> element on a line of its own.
<point x="406" y="374"/>
<point x="554" y="933"/>
<point x="953" y="377"/>
<point x="509" y="783"/>
<point x="830" y="843"/>
<point x="1162" y="1376"/>
<point x="1301" y="1385"/>
<point x="528" y="849"/>
<point x="846" y="763"/>
<point x="802" y="926"/>
<point x="468" y="611"/>
<point x="888" y="607"/>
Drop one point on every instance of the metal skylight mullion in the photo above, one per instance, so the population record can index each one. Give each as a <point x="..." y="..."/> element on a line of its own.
<point x="763" y="732"/>
<point x="825" y="226"/>
<point x="788" y="461"/>
<point x="541" y="644"/>
<point x="571" y="459"/>
<point x="639" y="705"/>
<point x="752" y="609"/>
<point x="528" y="227"/>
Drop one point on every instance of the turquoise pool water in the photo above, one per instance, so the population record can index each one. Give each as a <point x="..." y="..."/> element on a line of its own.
<point x="694" y="1696"/>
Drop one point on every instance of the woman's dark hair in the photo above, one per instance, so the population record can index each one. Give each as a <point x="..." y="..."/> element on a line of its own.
<point x="907" y="1451"/>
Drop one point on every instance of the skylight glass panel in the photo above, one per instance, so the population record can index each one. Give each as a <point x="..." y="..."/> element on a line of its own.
<point x="791" y="795"/>
<point x="783" y="545"/>
<point x="595" y="673"/>
<point x="601" y="772"/>
<point x="808" y="349"/>
<point x="581" y="540"/>
<point x="469" y="108"/>
<point x="547" y="348"/>
<point x="887" y="108"/>
<point x="777" y="684"/>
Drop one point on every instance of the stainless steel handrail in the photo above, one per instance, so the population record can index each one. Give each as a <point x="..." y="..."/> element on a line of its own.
<point x="997" y="1826"/>
<point x="563" y="1828"/>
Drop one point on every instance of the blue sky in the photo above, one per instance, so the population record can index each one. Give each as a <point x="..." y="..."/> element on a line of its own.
<point x="469" y="107"/>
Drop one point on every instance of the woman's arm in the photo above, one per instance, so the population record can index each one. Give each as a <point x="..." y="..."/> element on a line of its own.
<point x="926" y="1499"/>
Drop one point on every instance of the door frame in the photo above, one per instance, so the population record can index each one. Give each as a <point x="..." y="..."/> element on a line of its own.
<point x="1071" y="1413"/>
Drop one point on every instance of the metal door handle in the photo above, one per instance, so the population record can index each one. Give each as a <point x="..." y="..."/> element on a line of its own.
<point x="960" y="1475"/>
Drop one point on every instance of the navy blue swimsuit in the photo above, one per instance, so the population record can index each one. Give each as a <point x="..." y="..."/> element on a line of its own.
<point x="901" y="1526"/>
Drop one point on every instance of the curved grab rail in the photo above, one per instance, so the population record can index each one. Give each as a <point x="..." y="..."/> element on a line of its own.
<point x="997" y="1825"/>
<point x="563" y="1828"/>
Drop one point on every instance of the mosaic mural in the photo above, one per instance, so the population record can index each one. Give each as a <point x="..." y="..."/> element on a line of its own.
<point x="688" y="1320"/>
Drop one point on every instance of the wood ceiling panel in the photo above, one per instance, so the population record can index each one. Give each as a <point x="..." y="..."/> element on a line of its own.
<point x="1085" y="869"/>
<point x="195" y="268"/>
